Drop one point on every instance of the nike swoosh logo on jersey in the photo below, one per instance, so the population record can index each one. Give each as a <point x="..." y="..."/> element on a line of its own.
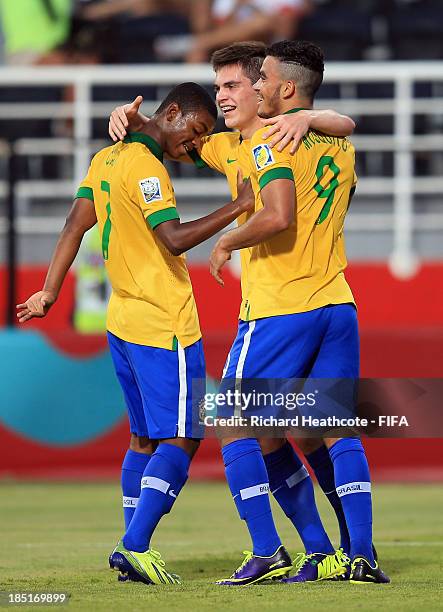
<point x="231" y="161"/>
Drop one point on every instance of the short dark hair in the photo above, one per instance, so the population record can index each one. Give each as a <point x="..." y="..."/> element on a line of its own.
<point x="189" y="97"/>
<point x="249" y="55"/>
<point x="304" y="63"/>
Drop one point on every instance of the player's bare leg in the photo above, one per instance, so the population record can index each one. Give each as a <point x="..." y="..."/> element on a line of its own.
<point x="141" y="444"/>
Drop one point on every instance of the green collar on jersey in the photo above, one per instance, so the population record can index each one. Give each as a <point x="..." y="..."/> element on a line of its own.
<point x="152" y="145"/>
<point x="294" y="110"/>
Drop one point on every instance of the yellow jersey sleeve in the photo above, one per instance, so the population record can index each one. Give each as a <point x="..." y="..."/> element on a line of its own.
<point x="85" y="188"/>
<point x="210" y="154"/>
<point x="149" y="185"/>
<point x="269" y="164"/>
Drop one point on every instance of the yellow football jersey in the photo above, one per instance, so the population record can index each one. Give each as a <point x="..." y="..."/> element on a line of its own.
<point x="152" y="302"/>
<point x="301" y="268"/>
<point x="227" y="152"/>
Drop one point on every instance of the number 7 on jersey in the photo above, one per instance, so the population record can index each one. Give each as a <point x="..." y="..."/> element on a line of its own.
<point x="105" y="186"/>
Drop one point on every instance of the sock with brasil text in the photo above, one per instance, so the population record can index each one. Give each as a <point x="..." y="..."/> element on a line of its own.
<point x="134" y="464"/>
<point x="163" y="479"/>
<point x="320" y="462"/>
<point x="248" y="481"/>
<point x="291" y="486"/>
<point x="353" y="486"/>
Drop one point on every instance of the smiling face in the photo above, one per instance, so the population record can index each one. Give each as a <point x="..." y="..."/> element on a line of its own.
<point x="236" y="98"/>
<point x="269" y="88"/>
<point x="184" y="132"/>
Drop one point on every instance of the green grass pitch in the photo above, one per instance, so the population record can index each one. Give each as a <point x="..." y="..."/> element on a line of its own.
<point x="58" y="536"/>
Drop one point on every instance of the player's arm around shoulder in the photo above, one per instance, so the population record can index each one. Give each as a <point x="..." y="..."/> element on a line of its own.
<point x="129" y="118"/>
<point x="79" y="220"/>
<point x="290" y="128"/>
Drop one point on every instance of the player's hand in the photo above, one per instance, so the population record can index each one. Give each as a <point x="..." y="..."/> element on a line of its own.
<point x="36" y="306"/>
<point x="217" y="260"/>
<point x="285" y="128"/>
<point x="245" y="199"/>
<point x="126" y="118"/>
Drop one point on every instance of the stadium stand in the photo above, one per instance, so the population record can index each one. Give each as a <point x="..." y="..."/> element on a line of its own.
<point x="414" y="29"/>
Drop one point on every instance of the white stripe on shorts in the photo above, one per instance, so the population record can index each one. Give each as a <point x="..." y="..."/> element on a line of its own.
<point x="353" y="487"/>
<point x="225" y="369"/>
<point x="241" y="363"/>
<point x="183" y="393"/>
<point x="244" y="350"/>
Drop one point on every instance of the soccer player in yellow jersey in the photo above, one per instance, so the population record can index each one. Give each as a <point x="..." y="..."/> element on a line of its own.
<point x="237" y="69"/>
<point x="152" y="322"/>
<point x="298" y="316"/>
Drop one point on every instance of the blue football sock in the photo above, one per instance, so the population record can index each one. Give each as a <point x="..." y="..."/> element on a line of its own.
<point x="134" y="464"/>
<point x="291" y="485"/>
<point x="248" y="480"/>
<point x="353" y="486"/>
<point x="320" y="462"/>
<point x="162" y="481"/>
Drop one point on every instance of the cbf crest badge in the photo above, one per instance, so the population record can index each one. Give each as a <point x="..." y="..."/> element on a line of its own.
<point x="263" y="156"/>
<point x="150" y="188"/>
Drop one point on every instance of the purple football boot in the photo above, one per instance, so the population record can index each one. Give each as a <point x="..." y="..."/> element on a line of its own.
<point x="255" y="569"/>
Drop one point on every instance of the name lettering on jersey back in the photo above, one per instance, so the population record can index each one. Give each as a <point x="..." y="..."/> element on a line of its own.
<point x="150" y="188"/>
<point x="312" y="138"/>
<point x="263" y="156"/>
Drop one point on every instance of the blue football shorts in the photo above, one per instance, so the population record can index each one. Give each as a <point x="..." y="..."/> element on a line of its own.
<point x="319" y="344"/>
<point x="163" y="389"/>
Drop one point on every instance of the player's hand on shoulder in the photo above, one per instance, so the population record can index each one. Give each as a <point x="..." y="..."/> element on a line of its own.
<point x="245" y="194"/>
<point x="287" y="128"/>
<point x="126" y="118"/>
<point x="35" y="306"/>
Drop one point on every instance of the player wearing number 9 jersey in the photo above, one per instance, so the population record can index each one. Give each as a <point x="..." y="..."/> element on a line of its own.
<point x="301" y="268"/>
<point x="298" y="317"/>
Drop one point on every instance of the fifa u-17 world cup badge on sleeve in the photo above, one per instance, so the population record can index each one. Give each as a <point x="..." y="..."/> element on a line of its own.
<point x="150" y="188"/>
<point x="263" y="156"/>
